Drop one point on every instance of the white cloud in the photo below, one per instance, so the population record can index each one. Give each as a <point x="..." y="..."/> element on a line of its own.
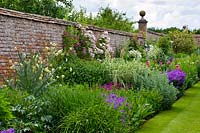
<point x="159" y="13"/>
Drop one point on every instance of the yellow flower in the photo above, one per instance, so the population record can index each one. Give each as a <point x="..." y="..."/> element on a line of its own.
<point x="47" y="70"/>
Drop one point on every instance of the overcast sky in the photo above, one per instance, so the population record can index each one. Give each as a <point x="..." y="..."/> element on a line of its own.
<point x="159" y="13"/>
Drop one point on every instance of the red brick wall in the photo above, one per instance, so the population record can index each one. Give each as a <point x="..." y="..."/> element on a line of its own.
<point x="29" y="31"/>
<point x="197" y="39"/>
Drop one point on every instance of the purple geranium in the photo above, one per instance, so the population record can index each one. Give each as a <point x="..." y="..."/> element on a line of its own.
<point x="177" y="77"/>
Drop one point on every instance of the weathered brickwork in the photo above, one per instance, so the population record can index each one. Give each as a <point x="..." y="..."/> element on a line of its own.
<point x="197" y="39"/>
<point x="34" y="32"/>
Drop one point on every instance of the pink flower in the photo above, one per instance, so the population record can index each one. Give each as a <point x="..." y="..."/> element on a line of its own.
<point x="168" y="62"/>
<point x="178" y="67"/>
<point x="148" y="63"/>
<point x="161" y="62"/>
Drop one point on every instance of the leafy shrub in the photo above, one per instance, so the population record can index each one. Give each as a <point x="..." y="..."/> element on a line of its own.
<point x="166" y="45"/>
<point x="5" y="110"/>
<point x="96" y="118"/>
<point x="139" y="76"/>
<point x="66" y="99"/>
<point x="30" y="116"/>
<point x="121" y="112"/>
<point x="28" y="111"/>
<point x="191" y="73"/>
<point x="84" y="44"/>
<point x="77" y="71"/>
<point x="106" y="18"/>
<point x="132" y="50"/>
<point x="183" y="42"/>
<point x="32" y="72"/>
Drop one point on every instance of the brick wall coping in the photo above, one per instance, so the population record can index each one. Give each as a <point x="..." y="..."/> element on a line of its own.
<point x="196" y="35"/>
<point x="155" y="33"/>
<point x="45" y="19"/>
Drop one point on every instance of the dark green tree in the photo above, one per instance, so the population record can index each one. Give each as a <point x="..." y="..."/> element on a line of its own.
<point x="114" y="20"/>
<point x="52" y="8"/>
<point x="106" y="18"/>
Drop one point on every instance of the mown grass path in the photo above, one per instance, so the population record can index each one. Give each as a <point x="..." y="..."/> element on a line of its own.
<point x="184" y="117"/>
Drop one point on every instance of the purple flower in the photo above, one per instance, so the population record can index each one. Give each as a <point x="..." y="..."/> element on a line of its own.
<point x="122" y="111"/>
<point x="84" y="50"/>
<point x="114" y="99"/>
<point x="177" y="77"/>
<point x="111" y="85"/>
<point x="78" y="45"/>
<point x="11" y="130"/>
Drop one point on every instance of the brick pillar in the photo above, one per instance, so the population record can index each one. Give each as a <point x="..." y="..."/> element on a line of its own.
<point x="142" y="24"/>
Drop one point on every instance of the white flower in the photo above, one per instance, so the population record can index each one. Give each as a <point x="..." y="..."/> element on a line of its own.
<point x="79" y="26"/>
<point x="70" y="69"/>
<point x="52" y="69"/>
<point x="62" y="76"/>
<point x="105" y="32"/>
<point x="40" y="78"/>
<point x="53" y="44"/>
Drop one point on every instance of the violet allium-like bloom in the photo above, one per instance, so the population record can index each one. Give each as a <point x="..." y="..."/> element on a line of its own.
<point x="114" y="99"/>
<point x="11" y="130"/>
<point x="177" y="77"/>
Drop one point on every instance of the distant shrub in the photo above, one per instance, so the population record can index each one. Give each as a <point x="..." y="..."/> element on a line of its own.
<point x="182" y="42"/>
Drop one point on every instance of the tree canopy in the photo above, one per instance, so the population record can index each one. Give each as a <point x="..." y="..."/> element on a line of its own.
<point x="106" y="18"/>
<point x="53" y="8"/>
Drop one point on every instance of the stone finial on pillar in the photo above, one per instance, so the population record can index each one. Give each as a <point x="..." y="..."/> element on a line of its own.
<point x="142" y="23"/>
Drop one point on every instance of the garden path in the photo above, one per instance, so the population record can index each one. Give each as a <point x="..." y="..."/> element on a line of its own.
<point x="184" y="117"/>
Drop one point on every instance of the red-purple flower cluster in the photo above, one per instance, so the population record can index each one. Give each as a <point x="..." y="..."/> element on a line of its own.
<point x="10" y="130"/>
<point x="177" y="77"/>
<point x="111" y="85"/>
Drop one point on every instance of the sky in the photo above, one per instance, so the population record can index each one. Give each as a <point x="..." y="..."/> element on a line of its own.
<point x="159" y="13"/>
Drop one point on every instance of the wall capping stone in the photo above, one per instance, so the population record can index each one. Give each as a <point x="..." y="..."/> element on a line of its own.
<point x="46" y="19"/>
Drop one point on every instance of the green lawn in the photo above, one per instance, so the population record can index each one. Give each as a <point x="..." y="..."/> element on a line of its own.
<point x="184" y="117"/>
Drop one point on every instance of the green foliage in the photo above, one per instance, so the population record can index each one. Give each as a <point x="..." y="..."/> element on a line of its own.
<point x="196" y="31"/>
<point x="64" y="100"/>
<point x="80" y="111"/>
<point x="141" y="77"/>
<point x="106" y="18"/>
<point x="132" y="50"/>
<point x="189" y="66"/>
<point x="28" y="112"/>
<point x="30" y="116"/>
<point x="5" y="110"/>
<point x="32" y="74"/>
<point x="78" y="71"/>
<point x="165" y="31"/>
<point x="166" y="45"/>
<point x="96" y="118"/>
<point x="53" y="8"/>
<point x="83" y="43"/>
<point x="182" y="42"/>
